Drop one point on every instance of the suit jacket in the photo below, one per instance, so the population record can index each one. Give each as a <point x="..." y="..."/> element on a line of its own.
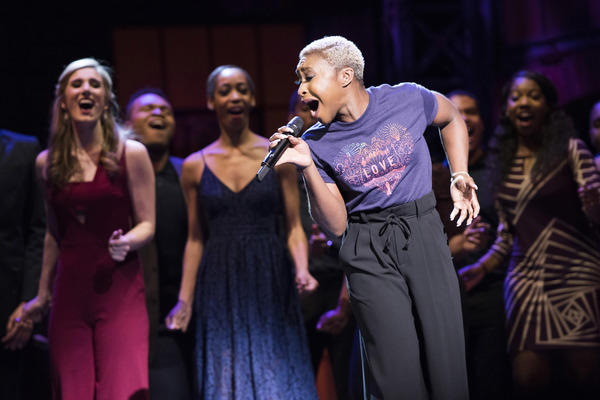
<point x="22" y="222"/>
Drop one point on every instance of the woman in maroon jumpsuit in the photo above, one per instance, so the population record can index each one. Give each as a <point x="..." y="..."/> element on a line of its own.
<point x="99" y="192"/>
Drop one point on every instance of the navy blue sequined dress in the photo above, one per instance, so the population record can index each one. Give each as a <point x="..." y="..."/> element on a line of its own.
<point x="250" y="339"/>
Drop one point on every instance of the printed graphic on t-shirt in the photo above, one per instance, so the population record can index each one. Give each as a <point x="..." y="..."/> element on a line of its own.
<point x="379" y="164"/>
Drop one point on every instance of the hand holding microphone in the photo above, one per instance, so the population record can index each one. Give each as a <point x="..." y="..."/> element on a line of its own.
<point x="275" y="153"/>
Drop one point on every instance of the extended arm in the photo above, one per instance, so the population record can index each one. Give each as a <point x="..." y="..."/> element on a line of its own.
<point x="180" y="315"/>
<point x="455" y="140"/>
<point x="37" y="308"/>
<point x="295" y="233"/>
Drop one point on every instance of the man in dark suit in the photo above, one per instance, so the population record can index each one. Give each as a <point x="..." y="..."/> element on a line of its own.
<point x="22" y="229"/>
<point x="150" y="116"/>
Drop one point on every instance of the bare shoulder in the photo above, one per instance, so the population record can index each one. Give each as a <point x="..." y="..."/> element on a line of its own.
<point x="193" y="166"/>
<point x="260" y="146"/>
<point x="40" y="164"/>
<point x="41" y="158"/>
<point x="213" y="149"/>
<point x="261" y="141"/>
<point x="135" y="147"/>
<point x="193" y="159"/>
<point x="136" y="152"/>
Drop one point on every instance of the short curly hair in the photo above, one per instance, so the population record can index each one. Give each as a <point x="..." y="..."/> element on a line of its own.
<point x="339" y="53"/>
<point x="146" y="90"/>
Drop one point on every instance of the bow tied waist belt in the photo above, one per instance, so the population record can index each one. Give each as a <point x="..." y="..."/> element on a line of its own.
<point x="397" y="216"/>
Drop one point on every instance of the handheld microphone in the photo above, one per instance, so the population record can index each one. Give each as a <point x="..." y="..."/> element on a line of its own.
<point x="270" y="160"/>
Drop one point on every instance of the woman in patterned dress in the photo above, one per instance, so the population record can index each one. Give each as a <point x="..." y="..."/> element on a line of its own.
<point x="547" y="196"/>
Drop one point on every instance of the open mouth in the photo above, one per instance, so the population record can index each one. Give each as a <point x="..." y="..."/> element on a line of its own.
<point x="313" y="105"/>
<point x="86" y="104"/>
<point x="525" y="117"/>
<point x="235" y="110"/>
<point x="157" y="123"/>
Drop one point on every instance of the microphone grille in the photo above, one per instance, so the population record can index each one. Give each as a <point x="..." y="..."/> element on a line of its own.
<point x="296" y="125"/>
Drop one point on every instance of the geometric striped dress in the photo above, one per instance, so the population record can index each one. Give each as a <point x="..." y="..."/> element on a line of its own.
<point x="552" y="287"/>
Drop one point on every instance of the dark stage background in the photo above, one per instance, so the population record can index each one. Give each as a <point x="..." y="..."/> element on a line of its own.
<point x="442" y="44"/>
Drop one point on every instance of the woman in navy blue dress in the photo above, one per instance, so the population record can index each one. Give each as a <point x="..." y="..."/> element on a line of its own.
<point x="236" y="270"/>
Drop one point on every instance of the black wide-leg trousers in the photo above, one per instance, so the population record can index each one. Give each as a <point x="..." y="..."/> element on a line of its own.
<point x="404" y="293"/>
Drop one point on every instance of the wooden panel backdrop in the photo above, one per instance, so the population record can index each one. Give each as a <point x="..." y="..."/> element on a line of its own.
<point x="179" y="59"/>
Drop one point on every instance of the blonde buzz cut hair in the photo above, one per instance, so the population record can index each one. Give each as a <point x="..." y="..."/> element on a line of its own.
<point x="339" y="52"/>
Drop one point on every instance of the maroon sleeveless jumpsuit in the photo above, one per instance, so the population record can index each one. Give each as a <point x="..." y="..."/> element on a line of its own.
<point x="98" y="329"/>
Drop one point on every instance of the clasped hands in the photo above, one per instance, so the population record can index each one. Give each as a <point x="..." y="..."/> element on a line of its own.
<point x="18" y="330"/>
<point x="118" y="245"/>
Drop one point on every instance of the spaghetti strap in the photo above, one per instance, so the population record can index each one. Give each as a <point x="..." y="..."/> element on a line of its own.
<point x="246" y="295"/>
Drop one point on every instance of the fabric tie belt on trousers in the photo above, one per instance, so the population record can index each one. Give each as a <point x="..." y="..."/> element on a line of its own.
<point x="397" y="215"/>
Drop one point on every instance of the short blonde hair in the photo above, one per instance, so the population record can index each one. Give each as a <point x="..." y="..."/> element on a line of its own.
<point x="339" y="53"/>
